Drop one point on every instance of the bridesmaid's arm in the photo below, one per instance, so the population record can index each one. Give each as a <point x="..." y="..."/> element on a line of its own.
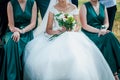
<point x="83" y="21"/>
<point x="11" y="19"/>
<point x="50" y="25"/>
<point x="106" y="22"/>
<point x="16" y="35"/>
<point x="33" y="20"/>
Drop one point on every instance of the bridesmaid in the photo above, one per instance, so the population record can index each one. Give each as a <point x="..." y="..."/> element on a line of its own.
<point x="21" y="20"/>
<point x="94" y="20"/>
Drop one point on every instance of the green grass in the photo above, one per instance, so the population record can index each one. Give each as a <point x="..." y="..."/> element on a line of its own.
<point x="81" y="2"/>
<point x="116" y="27"/>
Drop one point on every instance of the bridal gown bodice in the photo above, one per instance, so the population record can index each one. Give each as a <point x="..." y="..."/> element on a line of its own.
<point x="56" y="11"/>
<point x="70" y="56"/>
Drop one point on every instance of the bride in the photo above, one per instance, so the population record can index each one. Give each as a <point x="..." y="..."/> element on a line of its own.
<point x="70" y="56"/>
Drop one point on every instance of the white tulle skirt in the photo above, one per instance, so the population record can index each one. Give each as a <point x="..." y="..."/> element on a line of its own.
<point x="70" y="56"/>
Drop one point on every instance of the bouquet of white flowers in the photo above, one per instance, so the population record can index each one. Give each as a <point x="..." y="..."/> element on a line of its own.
<point x="64" y="20"/>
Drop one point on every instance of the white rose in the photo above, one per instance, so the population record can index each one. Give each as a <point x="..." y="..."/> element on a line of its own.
<point x="64" y="19"/>
<point x="70" y="15"/>
<point x="61" y="16"/>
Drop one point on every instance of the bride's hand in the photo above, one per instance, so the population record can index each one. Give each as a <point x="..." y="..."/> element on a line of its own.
<point x="58" y="32"/>
<point x="63" y="29"/>
<point x="77" y="28"/>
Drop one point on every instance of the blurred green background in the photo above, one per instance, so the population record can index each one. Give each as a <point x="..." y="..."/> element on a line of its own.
<point x="116" y="27"/>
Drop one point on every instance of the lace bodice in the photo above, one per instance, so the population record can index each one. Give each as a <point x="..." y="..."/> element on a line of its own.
<point x="55" y="11"/>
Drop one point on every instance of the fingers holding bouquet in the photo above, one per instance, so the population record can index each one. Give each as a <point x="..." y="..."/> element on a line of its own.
<point x="63" y="29"/>
<point x="66" y="22"/>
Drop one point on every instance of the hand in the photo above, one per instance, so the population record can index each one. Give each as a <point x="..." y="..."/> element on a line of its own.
<point x="14" y="29"/>
<point x="16" y="36"/>
<point x="102" y="32"/>
<point x="108" y="31"/>
<point x="63" y="29"/>
<point x="77" y="28"/>
<point x="22" y="31"/>
<point x="58" y="32"/>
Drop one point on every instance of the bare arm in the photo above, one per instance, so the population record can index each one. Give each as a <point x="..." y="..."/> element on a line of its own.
<point x="83" y="20"/>
<point x="11" y="19"/>
<point x="33" y="20"/>
<point x="106" y="22"/>
<point x="50" y="25"/>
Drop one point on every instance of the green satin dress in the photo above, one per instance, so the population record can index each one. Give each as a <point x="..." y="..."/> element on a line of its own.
<point x="12" y="66"/>
<point x="108" y="44"/>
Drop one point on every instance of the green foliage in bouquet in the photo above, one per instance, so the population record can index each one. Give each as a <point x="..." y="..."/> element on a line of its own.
<point x="65" y="20"/>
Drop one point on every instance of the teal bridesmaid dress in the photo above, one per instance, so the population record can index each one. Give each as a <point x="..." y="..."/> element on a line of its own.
<point x="12" y="66"/>
<point x="108" y="44"/>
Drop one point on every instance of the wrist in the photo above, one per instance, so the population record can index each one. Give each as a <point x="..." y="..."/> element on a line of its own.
<point x="12" y="29"/>
<point x="98" y="31"/>
<point x="103" y="27"/>
<point x="23" y="31"/>
<point x="16" y="32"/>
<point x="58" y="32"/>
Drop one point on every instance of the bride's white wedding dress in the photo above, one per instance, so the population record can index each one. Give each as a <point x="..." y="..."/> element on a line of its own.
<point x="70" y="56"/>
